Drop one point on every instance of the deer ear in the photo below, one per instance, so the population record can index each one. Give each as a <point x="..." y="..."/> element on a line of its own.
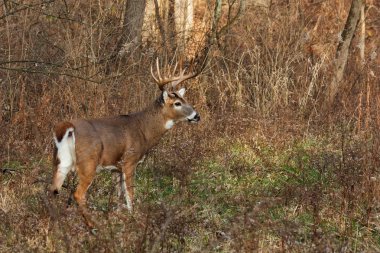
<point x="182" y="92"/>
<point x="165" y="96"/>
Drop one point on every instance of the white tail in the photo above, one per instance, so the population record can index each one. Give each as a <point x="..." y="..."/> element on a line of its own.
<point x="64" y="155"/>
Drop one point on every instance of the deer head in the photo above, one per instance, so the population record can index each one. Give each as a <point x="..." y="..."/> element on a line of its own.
<point x="175" y="106"/>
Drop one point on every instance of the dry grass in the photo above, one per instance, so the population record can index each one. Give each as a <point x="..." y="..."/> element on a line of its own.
<point x="267" y="169"/>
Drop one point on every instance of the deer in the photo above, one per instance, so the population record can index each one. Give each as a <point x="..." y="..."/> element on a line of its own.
<point x="87" y="146"/>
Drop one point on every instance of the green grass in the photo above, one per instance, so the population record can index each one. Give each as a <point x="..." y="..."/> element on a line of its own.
<point x="243" y="196"/>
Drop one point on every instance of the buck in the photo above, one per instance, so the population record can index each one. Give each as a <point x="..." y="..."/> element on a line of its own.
<point x="121" y="142"/>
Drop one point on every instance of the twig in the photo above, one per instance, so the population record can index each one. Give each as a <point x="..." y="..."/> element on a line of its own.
<point x="24" y="7"/>
<point x="8" y="170"/>
<point x="52" y="73"/>
<point x="171" y="215"/>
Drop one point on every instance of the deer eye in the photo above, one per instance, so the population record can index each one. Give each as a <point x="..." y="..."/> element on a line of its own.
<point x="177" y="103"/>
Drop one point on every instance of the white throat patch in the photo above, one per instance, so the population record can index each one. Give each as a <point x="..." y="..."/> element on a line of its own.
<point x="169" y="124"/>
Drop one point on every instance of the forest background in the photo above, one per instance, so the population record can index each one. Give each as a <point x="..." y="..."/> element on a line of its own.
<point x="286" y="157"/>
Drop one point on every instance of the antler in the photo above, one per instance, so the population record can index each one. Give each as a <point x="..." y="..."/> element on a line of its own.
<point x="174" y="80"/>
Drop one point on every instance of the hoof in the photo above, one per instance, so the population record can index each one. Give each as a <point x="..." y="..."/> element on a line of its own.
<point x="53" y="190"/>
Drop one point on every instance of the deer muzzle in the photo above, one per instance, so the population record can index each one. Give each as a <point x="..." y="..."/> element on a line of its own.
<point x="194" y="117"/>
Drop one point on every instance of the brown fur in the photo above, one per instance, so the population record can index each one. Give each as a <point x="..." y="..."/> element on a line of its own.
<point x="60" y="129"/>
<point x="56" y="160"/>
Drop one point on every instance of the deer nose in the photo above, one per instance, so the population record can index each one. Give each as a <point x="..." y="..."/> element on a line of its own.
<point x="197" y="117"/>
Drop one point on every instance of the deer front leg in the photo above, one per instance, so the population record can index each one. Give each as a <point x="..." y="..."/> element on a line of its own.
<point x="127" y="187"/>
<point x="86" y="175"/>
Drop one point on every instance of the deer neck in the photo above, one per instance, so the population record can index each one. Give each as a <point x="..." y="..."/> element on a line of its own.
<point x="154" y="124"/>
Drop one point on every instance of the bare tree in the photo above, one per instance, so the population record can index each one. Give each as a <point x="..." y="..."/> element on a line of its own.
<point x="132" y="25"/>
<point x="343" y="47"/>
<point x="175" y="20"/>
<point x="362" y="33"/>
<point x="232" y="17"/>
<point x="165" y="19"/>
<point x="170" y="28"/>
<point x="184" y="10"/>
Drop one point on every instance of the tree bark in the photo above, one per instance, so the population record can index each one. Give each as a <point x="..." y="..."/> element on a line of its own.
<point x="362" y="34"/>
<point x="184" y="22"/>
<point x="171" y="27"/>
<point x="343" y="47"/>
<point x="132" y="25"/>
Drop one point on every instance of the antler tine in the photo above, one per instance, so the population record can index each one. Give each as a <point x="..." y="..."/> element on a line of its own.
<point x="175" y="83"/>
<point x="159" y="80"/>
<point x="174" y="80"/>
<point x="158" y="69"/>
<point x="159" y="83"/>
<point x="183" y="77"/>
<point x="154" y="77"/>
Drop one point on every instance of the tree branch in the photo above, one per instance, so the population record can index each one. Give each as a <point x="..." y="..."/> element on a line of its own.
<point x="343" y="49"/>
<point x="33" y="71"/>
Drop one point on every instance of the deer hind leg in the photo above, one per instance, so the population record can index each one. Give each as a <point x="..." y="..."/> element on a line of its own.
<point x="59" y="177"/>
<point x="86" y="175"/>
<point x="64" y="158"/>
<point x="116" y="177"/>
<point x="127" y="187"/>
<point x="71" y="186"/>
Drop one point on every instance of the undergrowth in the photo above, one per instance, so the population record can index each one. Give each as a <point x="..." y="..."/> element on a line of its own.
<point x="269" y="168"/>
<point x="311" y="194"/>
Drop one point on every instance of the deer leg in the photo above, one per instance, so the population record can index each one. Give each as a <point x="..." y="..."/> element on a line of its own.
<point x="117" y="177"/>
<point x="71" y="187"/>
<point x="60" y="176"/>
<point x="86" y="175"/>
<point x="127" y="187"/>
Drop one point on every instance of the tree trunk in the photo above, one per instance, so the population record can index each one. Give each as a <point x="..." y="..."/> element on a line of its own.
<point x="133" y="22"/>
<point x="184" y="22"/>
<point x="362" y="34"/>
<point x="165" y="19"/>
<point x="171" y="27"/>
<point x="343" y="47"/>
